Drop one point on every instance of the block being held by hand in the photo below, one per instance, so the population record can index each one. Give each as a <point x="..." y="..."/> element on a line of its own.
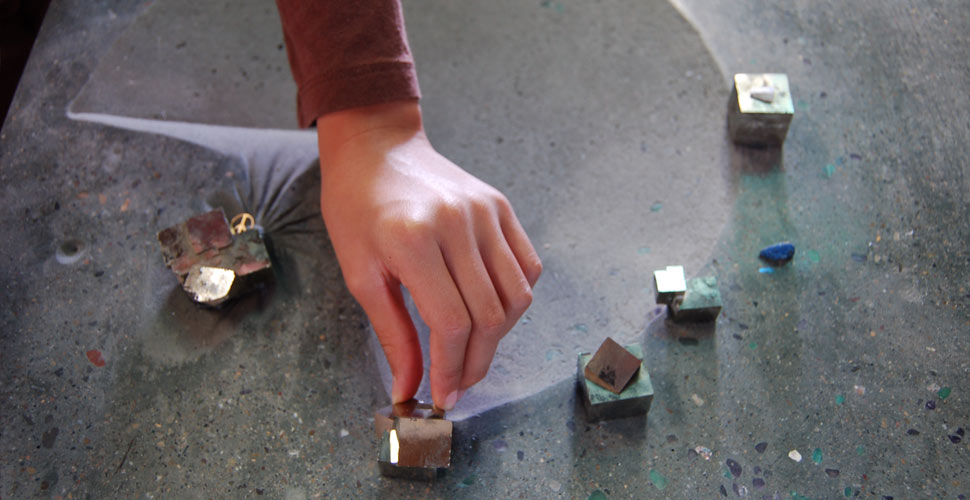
<point x="415" y="440"/>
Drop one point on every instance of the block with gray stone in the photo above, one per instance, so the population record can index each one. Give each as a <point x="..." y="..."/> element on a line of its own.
<point x="760" y="109"/>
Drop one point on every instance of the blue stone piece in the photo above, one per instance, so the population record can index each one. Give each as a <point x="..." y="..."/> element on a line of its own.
<point x="778" y="254"/>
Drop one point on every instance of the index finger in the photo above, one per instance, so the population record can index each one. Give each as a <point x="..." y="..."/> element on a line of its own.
<point x="441" y="306"/>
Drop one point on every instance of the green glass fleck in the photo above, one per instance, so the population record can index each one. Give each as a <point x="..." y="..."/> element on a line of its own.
<point x="944" y="393"/>
<point x="597" y="495"/>
<point x="813" y="256"/>
<point x="860" y="450"/>
<point x="726" y="472"/>
<point x="829" y="171"/>
<point x="581" y="327"/>
<point x="848" y="492"/>
<point x="468" y="481"/>
<point x="753" y="345"/>
<point x="796" y="496"/>
<point x="817" y="456"/>
<point x="839" y="399"/>
<point x="658" y="480"/>
<point x="643" y="250"/>
<point x="656" y="207"/>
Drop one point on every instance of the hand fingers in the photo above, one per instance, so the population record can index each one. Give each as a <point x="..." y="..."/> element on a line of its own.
<point x="440" y="303"/>
<point x="488" y="315"/>
<point x="383" y="302"/>
<point x="514" y="292"/>
<point x="519" y="242"/>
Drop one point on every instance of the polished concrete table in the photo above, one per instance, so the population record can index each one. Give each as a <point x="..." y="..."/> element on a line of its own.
<point x="604" y="123"/>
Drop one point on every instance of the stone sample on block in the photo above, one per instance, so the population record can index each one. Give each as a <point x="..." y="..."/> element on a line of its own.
<point x="760" y="109"/>
<point x="669" y="283"/>
<point x="701" y="302"/>
<point x="212" y="264"/>
<point x="612" y="367"/>
<point x="602" y="404"/>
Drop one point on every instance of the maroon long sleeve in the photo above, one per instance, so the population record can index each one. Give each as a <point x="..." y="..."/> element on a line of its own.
<point x="346" y="54"/>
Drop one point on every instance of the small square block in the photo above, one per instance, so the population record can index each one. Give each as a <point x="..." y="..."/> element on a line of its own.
<point x="612" y="366"/>
<point x="420" y="436"/>
<point x="601" y="404"/>
<point x="669" y="283"/>
<point x="424" y="449"/>
<point x="424" y="442"/>
<point x="389" y="469"/>
<point x="702" y="302"/>
<point x="760" y="109"/>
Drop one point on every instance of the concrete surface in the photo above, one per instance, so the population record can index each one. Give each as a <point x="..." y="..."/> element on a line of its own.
<point x="842" y="351"/>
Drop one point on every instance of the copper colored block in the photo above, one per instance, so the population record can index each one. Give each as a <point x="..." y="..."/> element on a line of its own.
<point x="424" y="442"/>
<point x="209" y="230"/>
<point x="612" y="367"/>
<point x="415" y="440"/>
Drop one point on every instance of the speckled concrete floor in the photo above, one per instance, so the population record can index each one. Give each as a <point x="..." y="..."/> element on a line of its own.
<point x="855" y="355"/>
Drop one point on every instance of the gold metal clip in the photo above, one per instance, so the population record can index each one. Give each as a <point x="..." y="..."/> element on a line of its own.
<point x="241" y="223"/>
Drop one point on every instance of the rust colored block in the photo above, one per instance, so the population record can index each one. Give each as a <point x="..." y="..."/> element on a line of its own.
<point x="424" y="442"/>
<point x="209" y="230"/>
<point x="415" y="440"/>
<point x="612" y="367"/>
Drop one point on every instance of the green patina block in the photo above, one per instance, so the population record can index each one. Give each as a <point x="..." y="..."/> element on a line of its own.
<point x="701" y="302"/>
<point x="602" y="404"/>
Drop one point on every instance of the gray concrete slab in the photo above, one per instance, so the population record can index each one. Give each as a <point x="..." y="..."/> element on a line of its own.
<point x="849" y="350"/>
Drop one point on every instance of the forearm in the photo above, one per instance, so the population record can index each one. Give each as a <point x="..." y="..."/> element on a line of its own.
<point x="347" y="55"/>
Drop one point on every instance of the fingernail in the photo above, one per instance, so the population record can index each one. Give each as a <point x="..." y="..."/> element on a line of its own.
<point x="451" y="400"/>
<point x="397" y="395"/>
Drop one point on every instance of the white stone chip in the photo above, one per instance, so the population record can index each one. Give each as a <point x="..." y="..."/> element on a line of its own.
<point x="764" y="93"/>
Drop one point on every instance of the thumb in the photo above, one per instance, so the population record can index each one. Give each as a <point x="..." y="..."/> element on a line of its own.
<point x="383" y="302"/>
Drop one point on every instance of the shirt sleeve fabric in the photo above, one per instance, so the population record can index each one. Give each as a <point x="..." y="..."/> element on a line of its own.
<point x="346" y="54"/>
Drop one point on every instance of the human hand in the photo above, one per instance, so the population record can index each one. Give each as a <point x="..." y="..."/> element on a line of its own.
<point x="399" y="213"/>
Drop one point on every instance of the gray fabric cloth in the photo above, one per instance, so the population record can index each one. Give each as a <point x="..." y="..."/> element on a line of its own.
<point x="602" y="153"/>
